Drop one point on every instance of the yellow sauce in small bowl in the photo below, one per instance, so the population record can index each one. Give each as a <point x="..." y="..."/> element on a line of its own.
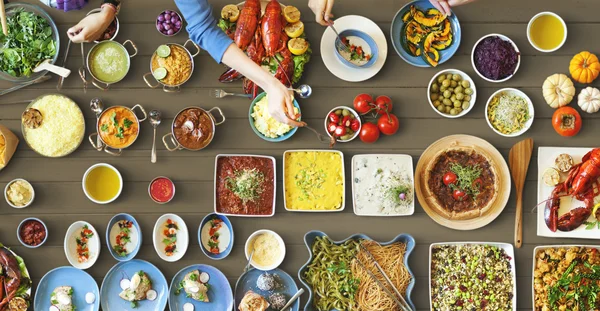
<point x="102" y="183"/>
<point x="547" y="32"/>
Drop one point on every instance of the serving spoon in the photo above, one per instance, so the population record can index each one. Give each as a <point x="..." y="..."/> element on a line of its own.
<point x="45" y="65"/>
<point x="293" y="299"/>
<point x="97" y="108"/>
<point x="303" y="91"/>
<point x="155" y="121"/>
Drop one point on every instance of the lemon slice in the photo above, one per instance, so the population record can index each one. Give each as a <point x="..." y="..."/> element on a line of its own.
<point x="298" y="46"/>
<point x="230" y="12"/>
<point x="163" y="51"/>
<point x="551" y="177"/>
<point x="294" y="30"/>
<point x="159" y="73"/>
<point x="291" y="13"/>
<point x="596" y="209"/>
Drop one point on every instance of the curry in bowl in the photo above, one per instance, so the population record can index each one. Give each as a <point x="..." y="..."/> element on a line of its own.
<point x="193" y="128"/>
<point x="176" y="61"/>
<point x="118" y="127"/>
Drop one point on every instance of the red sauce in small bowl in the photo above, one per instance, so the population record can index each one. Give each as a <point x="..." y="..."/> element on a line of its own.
<point x="162" y="190"/>
<point x="32" y="233"/>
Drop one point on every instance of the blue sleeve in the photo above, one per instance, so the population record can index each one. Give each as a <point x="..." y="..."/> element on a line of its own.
<point x="202" y="27"/>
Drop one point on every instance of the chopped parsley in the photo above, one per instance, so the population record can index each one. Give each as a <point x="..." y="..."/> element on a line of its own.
<point x="113" y="118"/>
<point x="246" y="184"/>
<point x="194" y="277"/>
<point x="120" y="132"/>
<point x="134" y="304"/>
<point x="104" y="127"/>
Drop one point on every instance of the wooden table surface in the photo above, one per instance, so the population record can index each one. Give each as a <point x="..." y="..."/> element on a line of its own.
<point x="60" y="200"/>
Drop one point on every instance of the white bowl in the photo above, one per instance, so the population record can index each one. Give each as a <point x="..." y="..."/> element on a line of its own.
<point x="529" y="105"/>
<point x="531" y="23"/>
<point x="505" y="38"/>
<point x="6" y="195"/>
<point x="70" y="245"/>
<point x="183" y="238"/>
<point x="247" y="250"/>
<point x="87" y="173"/>
<point x="465" y="77"/>
<point x="356" y="116"/>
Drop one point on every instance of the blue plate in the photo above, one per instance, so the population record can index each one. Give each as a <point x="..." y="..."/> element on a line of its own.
<point x="227" y="223"/>
<point x="111" y="223"/>
<point x="396" y="29"/>
<point x="247" y="282"/>
<point x="81" y="282"/>
<point x="309" y="239"/>
<point x="372" y="45"/>
<point x="111" y="288"/>
<point x="219" y="294"/>
<point x="276" y="139"/>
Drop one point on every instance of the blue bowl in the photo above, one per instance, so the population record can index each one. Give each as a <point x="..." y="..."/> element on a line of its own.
<point x="276" y="139"/>
<point x="19" y="230"/>
<point x="81" y="282"/>
<point x="417" y="61"/>
<point x="247" y="281"/>
<point x="309" y="239"/>
<point x="227" y="223"/>
<point x="372" y="45"/>
<point x="219" y="294"/>
<point x="111" y="223"/>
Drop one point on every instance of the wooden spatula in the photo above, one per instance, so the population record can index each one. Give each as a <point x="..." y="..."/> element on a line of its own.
<point x="3" y="18"/>
<point x="518" y="161"/>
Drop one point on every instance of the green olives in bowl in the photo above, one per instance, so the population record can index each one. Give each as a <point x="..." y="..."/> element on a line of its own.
<point x="451" y="93"/>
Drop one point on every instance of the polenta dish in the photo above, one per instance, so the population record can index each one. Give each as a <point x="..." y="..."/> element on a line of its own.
<point x="314" y="180"/>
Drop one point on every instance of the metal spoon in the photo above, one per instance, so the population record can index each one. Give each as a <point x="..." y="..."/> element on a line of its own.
<point x="324" y="139"/>
<point x="303" y="91"/>
<point x="155" y="121"/>
<point x="97" y="108"/>
<point x="249" y="261"/>
<point x="293" y="299"/>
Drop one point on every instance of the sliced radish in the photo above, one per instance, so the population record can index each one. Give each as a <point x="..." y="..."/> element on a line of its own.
<point x="188" y="307"/>
<point x="54" y="308"/>
<point x="90" y="298"/>
<point x="204" y="277"/>
<point x="151" y="295"/>
<point x="125" y="283"/>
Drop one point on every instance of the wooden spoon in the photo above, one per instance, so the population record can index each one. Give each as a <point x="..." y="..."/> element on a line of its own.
<point x="3" y="18"/>
<point x="518" y="161"/>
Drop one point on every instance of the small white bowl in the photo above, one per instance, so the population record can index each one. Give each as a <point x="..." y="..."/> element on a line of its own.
<point x="465" y="77"/>
<point x="183" y="238"/>
<point x="356" y="116"/>
<point x="70" y="245"/>
<point x="529" y="31"/>
<point x="251" y="239"/>
<point x="6" y="193"/>
<point x="85" y="175"/>
<point x="529" y="105"/>
<point x="505" y="38"/>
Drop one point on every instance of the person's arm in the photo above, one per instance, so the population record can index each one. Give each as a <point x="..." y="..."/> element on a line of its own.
<point x="202" y="29"/>
<point x="445" y="5"/>
<point x="93" y="26"/>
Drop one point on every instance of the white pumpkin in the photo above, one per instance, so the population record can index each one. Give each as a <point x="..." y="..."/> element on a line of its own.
<point x="558" y="90"/>
<point x="589" y="99"/>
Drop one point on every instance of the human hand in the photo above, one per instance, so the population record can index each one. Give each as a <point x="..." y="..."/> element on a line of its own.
<point x="281" y="104"/>
<point x="322" y="10"/>
<point x="444" y="5"/>
<point x="92" y="26"/>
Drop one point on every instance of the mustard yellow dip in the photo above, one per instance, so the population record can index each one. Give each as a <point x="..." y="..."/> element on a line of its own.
<point x="314" y="180"/>
<point x="118" y="127"/>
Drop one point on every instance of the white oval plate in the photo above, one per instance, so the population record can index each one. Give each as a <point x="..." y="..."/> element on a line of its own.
<point x="183" y="238"/>
<point x="71" y="245"/>
<point x="335" y="66"/>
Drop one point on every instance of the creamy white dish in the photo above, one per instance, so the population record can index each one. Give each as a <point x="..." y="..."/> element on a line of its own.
<point x="216" y="236"/>
<point x="124" y="237"/>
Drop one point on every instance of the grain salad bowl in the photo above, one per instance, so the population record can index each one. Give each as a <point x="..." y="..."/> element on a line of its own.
<point x="516" y="92"/>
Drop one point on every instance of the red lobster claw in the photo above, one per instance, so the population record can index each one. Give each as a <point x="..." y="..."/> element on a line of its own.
<point x="573" y="219"/>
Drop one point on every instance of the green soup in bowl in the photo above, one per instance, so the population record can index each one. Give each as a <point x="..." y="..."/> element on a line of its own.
<point x="108" y="61"/>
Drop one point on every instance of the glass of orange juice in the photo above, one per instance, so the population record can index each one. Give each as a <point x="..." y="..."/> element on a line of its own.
<point x="547" y="32"/>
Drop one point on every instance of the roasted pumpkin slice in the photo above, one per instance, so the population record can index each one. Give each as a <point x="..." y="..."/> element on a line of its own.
<point x="407" y="16"/>
<point x="442" y="43"/>
<point x="428" y="20"/>
<point x="414" y="32"/>
<point x="414" y="50"/>
<point x="429" y="54"/>
<point x="446" y="28"/>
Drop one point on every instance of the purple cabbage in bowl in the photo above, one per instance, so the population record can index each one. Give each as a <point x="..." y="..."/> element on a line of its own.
<point x="495" y="58"/>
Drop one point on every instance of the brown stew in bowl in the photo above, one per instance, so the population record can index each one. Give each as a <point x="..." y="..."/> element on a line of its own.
<point x="193" y="128"/>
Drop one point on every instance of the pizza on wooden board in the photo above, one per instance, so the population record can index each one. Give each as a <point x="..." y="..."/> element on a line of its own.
<point x="461" y="183"/>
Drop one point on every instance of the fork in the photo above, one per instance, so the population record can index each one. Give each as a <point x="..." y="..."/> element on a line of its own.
<point x="339" y="44"/>
<point x="222" y="93"/>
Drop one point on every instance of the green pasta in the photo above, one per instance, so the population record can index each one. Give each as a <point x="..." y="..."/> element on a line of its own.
<point x="329" y="275"/>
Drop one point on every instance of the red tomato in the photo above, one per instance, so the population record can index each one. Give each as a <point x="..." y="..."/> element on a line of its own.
<point x="566" y="121"/>
<point x="478" y="183"/>
<point x="331" y="127"/>
<point x="459" y="195"/>
<point x="449" y="178"/>
<point x="340" y="130"/>
<point x="354" y="125"/>
<point x="383" y="103"/>
<point x="346" y="121"/>
<point x="363" y="103"/>
<point x="388" y="124"/>
<point x="369" y="133"/>
<point x="334" y="118"/>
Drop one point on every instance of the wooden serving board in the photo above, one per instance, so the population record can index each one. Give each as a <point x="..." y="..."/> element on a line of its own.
<point x="497" y="161"/>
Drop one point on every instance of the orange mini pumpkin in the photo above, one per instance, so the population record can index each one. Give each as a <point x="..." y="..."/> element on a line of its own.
<point x="584" y="67"/>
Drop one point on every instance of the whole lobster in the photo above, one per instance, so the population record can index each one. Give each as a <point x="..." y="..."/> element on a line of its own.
<point x="582" y="184"/>
<point x="11" y="280"/>
<point x="247" y="23"/>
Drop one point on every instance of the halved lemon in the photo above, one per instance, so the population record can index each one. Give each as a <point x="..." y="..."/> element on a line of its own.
<point x="596" y="209"/>
<point x="230" y="12"/>
<point x="298" y="46"/>
<point x="294" y="30"/>
<point x="291" y="13"/>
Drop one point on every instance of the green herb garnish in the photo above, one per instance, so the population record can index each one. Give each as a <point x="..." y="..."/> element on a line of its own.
<point x="194" y="277"/>
<point x="466" y="176"/>
<point x="127" y="123"/>
<point x="246" y="184"/>
<point x="104" y="128"/>
<point x="120" y="132"/>
<point x="113" y="118"/>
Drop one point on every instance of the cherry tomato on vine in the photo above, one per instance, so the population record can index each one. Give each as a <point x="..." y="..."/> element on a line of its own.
<point x="369" y="133"/>
<point x="363" y="103"/>
<point x="449" y="178"/>
<point x="383" y="104"/>
<point x="388" y="124"/>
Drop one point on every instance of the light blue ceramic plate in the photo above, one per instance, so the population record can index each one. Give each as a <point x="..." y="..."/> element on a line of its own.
<point x="111" y="288"/>
<point x="219" y="293"/>
<point x="81" y="282"/>
<point x="370" y="42"/>
<point x="276" y="139"/>
<point x="111" y="223"/>
<point x="396" y="29"/>
<point x="310" y="237"/>
<point x="247" y="282"/>
<point x="226" y="223"/>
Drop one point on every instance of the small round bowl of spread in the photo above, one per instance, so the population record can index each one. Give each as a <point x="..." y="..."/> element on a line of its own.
<point x="19" y="193"/>
<point x="161" y="190"/>
<point x="266" y="248"/>
<point x="32" y="232"/>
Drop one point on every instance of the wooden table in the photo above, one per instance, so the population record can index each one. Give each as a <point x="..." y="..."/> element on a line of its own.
<point x="60" y="200"/>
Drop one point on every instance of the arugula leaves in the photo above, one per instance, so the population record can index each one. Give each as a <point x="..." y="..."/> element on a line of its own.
<point x="29" y="42"/>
